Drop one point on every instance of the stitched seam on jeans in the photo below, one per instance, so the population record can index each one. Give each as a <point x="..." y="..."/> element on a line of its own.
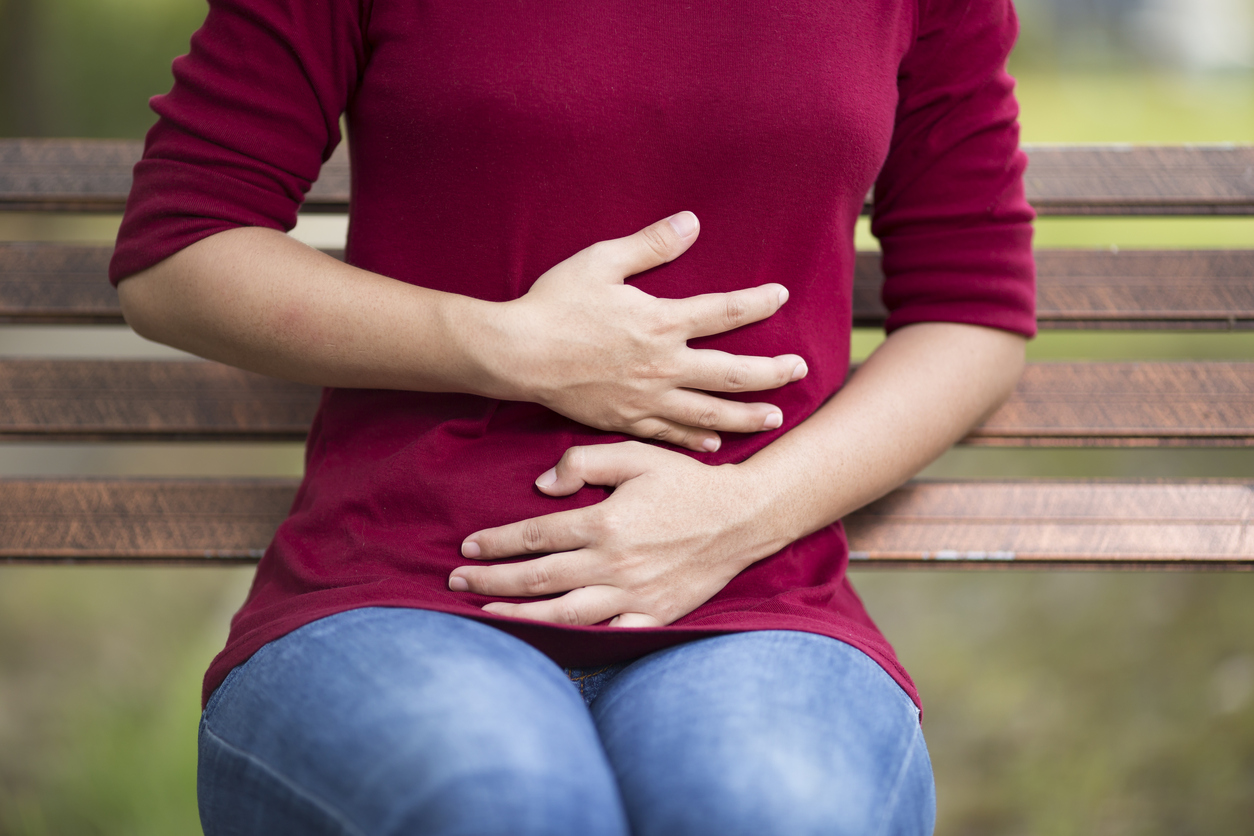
<point x="301" y="793"/>
<point x="891" y="804"/>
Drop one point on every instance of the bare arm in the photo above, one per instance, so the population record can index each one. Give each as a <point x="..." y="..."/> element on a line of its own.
<point x="581" y="341"/>
<point x="920" y="392"/>
<point x="675" y="531"/>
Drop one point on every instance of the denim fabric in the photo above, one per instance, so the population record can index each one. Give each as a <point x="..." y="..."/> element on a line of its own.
<point x="400" y="721"/>
<point x="590" y="681"/>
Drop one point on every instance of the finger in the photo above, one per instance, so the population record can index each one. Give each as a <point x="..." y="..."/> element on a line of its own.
<point x="674" y="432"/>
<point x="714" y="313"/>
<point x="701" y="410"/>
<point x="563" y="531"/>
<point x="586" y="605"/>
<point x="718" y="371"/>
<point x="596" y="464"/>
<point x="549" y="575"/>
<point x="652" y="246"/>
<point x="630" y="620"/>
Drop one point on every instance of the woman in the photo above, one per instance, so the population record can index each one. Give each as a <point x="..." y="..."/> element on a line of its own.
<point x="494" y="347"/>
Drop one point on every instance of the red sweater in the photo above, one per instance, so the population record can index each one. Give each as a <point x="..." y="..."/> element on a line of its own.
<point x="490" y="141"/>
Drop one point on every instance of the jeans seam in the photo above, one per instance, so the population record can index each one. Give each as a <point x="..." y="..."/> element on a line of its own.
<point x="890" y="803"/>
<point x="296" y="790"/>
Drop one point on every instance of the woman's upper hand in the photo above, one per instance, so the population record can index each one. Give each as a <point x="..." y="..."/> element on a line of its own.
<point x="580" y="341"/>
<point x="593" y="348"/>
<point x="672" y="534"/>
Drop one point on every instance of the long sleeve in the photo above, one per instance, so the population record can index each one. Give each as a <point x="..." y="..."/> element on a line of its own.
<point x="950" y="210"/>
<point x="253" y="114"/>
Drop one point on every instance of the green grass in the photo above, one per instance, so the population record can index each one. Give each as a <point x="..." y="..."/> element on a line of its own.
<point x="99" y="695"/>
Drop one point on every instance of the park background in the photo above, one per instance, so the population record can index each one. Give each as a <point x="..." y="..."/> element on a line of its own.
<point x="1057" y="703"/>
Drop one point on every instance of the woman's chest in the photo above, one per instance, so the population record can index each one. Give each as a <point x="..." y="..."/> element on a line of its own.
<point x="740" y="85"/>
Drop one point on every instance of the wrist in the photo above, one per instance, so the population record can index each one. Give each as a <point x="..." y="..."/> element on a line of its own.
<point x="482" y="336"/>
<point x="762" y="509"/>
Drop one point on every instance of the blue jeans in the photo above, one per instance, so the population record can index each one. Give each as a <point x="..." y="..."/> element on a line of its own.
<point x="400" y="721"/>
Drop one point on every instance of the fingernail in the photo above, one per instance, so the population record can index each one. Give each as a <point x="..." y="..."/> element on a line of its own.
<point x="684" y="224"/>
<point x="773" y="421"/>
<point x="783" y="295"/>
<point x="458" y="584"/>
<point x="801" y="371"/>
<point x="547" y="478"/>
<point x="711" y="445"/>
<point x="471" y="549"/>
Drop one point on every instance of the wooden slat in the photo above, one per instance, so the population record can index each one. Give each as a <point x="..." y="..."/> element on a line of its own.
<point x="46" y="283"/>
<point x="1131" y="289"/>
<point x="151" y="400"/>
<point x="1126" y="405"/>
<point x="129" y="520"/>
<point x="1055" y="404"/>
<point x="1134" y="289"/>
<point x="94" y="176"/>
<point x="1194" y="524"/>
<point x="1141" y="180"/>
<point x="1194" y="289"/>
<point x="66" y="175"/>
<point x="1198" y="524"/>
<point x="56" y="283"/>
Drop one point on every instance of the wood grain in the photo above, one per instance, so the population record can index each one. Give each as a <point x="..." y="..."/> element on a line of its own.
<point x="1055" y="404"/>
<point x="1103" y="290"/>
<point x="1199" y="524"/>
<point x="1135" y="289"/>
<point x="52" y="283"/>
<point x="150" y="400"/>
<point x="126" y="520"/>
<point x="1126" y="405"/>
<point x="94" y="176"/>
<point x="1141" y="180"/>
<point x="1079" y="523"/>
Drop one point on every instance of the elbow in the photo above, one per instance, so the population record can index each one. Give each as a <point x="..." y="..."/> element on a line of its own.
<point x="152" y="307"/>
<point x="1009" y="359"/>
<point x="136" y="299"/>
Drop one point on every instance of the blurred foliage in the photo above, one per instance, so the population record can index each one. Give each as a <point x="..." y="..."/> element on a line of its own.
<point x="88" y="67"/>
<point x="99" y="695"/>
<point x="1056" y="703"/>
<point x="1073" y="702"/>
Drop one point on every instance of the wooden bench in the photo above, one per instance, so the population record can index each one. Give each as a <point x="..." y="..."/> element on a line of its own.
<point x="1199" y="523"/>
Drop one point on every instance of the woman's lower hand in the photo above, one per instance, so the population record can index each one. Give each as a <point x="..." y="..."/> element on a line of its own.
<point x="589" y="346"/>
<point x="672" y="534"/>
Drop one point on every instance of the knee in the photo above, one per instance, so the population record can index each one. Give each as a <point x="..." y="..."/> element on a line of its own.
<point x="474" y="790"/>
<point x="786" y="790"/>
<point x="526" y="795"/>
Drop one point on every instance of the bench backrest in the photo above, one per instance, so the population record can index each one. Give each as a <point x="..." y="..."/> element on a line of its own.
<point x="1198" y="523"/>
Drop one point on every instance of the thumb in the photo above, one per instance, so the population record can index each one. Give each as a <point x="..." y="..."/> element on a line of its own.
<point x="597" y="464"/>
<point x="635" y="620"/>
<point x="654" y="245"/>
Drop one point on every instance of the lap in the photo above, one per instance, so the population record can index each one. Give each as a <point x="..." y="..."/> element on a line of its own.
<point x="409" y="721"/>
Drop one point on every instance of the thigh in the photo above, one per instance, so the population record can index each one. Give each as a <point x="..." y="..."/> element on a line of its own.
<point x="380" y="721"/>
<point x="766" y="732"/>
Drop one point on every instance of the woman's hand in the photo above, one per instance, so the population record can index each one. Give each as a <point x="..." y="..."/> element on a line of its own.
<point x="580" y="341"/>
<point x="589" y="346"/>
<point x="670" y="536"/>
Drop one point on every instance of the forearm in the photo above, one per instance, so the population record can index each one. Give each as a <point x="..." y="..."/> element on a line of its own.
<point x="580" y="341"/>
<point x="924" y="388"/>
<point x="257" y="299"/>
